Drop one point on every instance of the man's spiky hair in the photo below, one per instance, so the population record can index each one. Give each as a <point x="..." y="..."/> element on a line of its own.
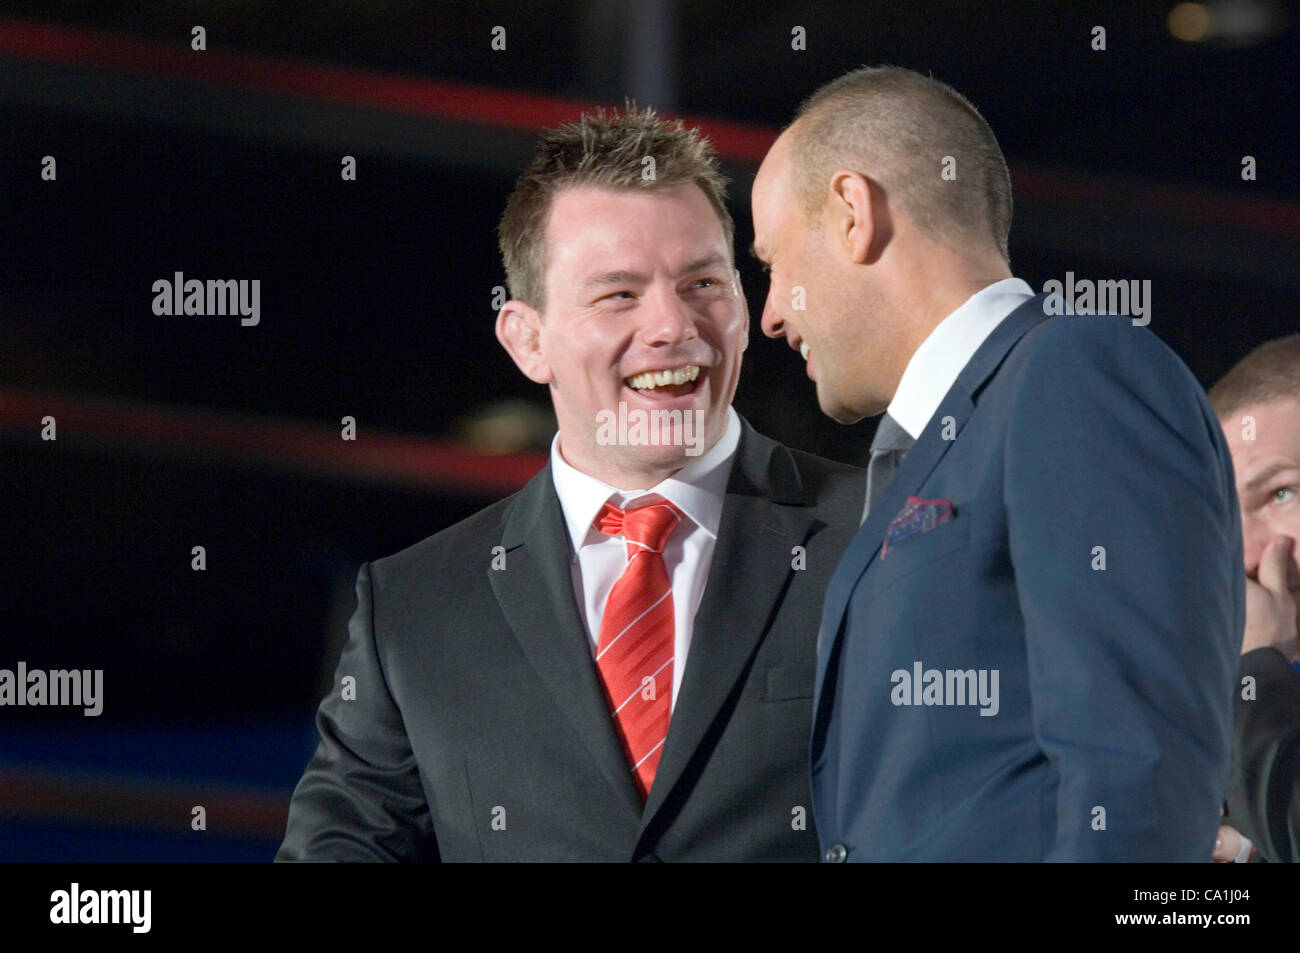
<point x="608" y="150"/>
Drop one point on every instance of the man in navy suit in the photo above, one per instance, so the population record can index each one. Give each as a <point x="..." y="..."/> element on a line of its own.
<point x="1028" y="651"/>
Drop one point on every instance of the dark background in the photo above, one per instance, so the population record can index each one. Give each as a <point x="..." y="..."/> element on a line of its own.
<point x="377" y="303"/>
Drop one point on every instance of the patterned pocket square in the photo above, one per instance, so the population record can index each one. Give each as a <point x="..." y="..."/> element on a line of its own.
<point x="916" y="517"/>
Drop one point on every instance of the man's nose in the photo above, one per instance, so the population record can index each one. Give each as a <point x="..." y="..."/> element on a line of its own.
<point x="668" y="320"/>
<point x="773" y="325"/>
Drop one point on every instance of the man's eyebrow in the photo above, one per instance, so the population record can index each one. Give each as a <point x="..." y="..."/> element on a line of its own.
<point x="614" y="278"/>
<point x="1267" y="474"/>
<point x="705" y="261"/>
<point x="633" y="277"/>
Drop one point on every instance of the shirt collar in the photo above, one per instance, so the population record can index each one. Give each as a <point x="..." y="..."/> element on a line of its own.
<point x="697" y="489"/>
<point x="936" y="364"/>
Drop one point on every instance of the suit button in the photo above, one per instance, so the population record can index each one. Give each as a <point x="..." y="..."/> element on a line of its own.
<point x="836" y="854"/>
<point x="650" y="859"/>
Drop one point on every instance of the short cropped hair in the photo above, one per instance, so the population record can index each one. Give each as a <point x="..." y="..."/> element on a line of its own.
<point x="899" y="127"/>
<point x="1269" y="372"/>
<point x="609" y="151"/>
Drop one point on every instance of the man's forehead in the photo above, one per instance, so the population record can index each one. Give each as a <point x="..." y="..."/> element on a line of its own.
<point x="616" y="248"/>
<point x="782" y="148"/>
<point x="1273" y="444"/>
<point x="762" y="187"/>
<point x="1278" y="418"/>
<point x="771" y="182"/>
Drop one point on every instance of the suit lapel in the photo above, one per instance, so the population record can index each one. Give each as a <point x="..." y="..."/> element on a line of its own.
<point x="750" y="566"/>
<point x="920" y="462"/>
<point x="535" y="592"/>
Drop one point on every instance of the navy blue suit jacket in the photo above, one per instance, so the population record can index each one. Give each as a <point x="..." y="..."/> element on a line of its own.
<point x="1064" y="441"/>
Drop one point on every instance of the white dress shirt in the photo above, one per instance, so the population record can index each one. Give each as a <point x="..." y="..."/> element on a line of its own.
<point x="939" y="360"/>
<point x="697" y="490"/>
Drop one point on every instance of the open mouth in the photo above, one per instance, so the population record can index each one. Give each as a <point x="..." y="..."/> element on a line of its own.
<point x="667" y="383"/>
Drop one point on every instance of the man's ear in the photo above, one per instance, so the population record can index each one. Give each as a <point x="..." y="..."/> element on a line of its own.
<point x="859" y="215"/>
<point x="519" y="331"/>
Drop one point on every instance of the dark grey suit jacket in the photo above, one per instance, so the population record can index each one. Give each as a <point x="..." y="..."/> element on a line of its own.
<point x="1264" y="786"/>
<point x="478" y="730"/>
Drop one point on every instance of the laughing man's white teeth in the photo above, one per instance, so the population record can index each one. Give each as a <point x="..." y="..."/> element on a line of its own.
<point x="803" y="349"/>
<point x="649" y="380"/>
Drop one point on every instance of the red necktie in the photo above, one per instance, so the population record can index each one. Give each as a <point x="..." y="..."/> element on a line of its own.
<point x="635" y="651"/>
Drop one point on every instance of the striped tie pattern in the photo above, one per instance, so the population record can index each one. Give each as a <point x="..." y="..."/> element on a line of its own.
<point x="635" y="651"/>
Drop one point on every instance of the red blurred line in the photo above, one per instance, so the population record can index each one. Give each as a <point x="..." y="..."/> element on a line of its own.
<point x="461" y="102"/>
<point x="136" y="802"/>
<point x="1282" y="218"/>
<point x="455" y="101"/>
<point x="318" y="449"/>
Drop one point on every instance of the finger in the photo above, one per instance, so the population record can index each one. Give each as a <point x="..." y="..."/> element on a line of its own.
<point x="1274" y="564"/>
<point x="1227" y="845"/>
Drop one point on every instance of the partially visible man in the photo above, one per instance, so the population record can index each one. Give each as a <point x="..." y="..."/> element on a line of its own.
<point x="615" y="663"/>
<point x="1258" y="403"/>
<point x="1028" y="651"/>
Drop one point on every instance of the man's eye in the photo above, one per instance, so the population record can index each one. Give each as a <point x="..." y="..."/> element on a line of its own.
<point x="617" y="293"/>
<point x="1283" y="489"/>
<point x="708" y="282"/>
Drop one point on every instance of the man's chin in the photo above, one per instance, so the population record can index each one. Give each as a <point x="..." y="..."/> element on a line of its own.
<point x="669" y="449"/>
<point x="665" y="458"/>
<point x="643" y="466"/>
<point x="836" y="411"/>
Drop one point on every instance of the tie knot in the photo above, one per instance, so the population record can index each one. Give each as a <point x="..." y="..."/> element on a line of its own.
<point x="645" y="526"/>
<point x="890" y="436"/>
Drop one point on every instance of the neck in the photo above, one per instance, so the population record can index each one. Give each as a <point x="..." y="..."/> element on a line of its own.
<point x="933" y="284"/>
<point x="940" y="283"/>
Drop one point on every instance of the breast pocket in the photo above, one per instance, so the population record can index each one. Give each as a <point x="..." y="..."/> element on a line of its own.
<point x="786" y="682"/>
<point x="919" y="552"/>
